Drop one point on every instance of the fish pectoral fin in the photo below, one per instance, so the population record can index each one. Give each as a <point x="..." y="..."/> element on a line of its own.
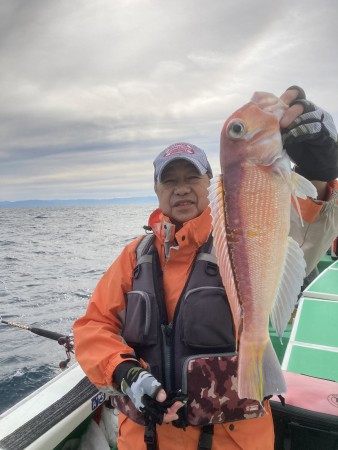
<point x="298" y="185"/>
<point x="302" y="187"/>
<point x="289" y="287"/>
<point x="220" y="242"/>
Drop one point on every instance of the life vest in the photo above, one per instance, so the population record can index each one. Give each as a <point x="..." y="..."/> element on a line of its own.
<point x="196" y="352"/>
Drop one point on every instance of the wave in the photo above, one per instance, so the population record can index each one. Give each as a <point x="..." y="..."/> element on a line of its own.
<point x="16" y="386"/>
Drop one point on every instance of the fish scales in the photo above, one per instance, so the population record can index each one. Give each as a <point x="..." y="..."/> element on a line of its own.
<point x="250" y="207"/>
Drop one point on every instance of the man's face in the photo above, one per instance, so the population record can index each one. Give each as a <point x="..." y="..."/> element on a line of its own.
<point x="182" y="192"/>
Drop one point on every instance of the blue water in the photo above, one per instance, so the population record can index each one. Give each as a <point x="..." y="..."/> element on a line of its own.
<point x="50" y="261"/>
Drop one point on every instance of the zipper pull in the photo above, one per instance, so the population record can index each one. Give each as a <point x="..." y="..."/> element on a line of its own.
<point x="167" y="333"/>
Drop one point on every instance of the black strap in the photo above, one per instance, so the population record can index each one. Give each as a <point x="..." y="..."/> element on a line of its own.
<point x="281" y="398"/>
<point x="205" y="441"/>
<point x="150" y="435"/>
<point x="207" y="246"/>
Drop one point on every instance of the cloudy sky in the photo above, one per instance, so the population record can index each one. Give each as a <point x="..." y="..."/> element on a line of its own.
<point x="92" y="90"/>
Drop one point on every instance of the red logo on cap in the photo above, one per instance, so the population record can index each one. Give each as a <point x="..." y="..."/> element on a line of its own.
<point x="178" y="149"/>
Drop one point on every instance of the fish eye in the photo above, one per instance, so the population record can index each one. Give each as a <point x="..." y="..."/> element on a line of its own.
<point x="236" y="129"/>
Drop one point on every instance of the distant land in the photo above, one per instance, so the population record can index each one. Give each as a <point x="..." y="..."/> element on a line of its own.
<point x="81" y="202"/>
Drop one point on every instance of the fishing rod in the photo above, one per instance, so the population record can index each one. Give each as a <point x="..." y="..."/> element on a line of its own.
<point x="66" y="341"/>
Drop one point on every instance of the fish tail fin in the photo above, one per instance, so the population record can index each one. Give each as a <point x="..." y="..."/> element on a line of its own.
<point x="259" y="371"/>
<point x="274" y="382"/>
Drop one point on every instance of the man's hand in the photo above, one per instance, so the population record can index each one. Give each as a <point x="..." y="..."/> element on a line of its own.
<point x="296" y="108"/>
<point x="309" y="137"/>
<point x="137" y="382"/>
<point x="171" y="413"/>
<point x="141" y="386"/>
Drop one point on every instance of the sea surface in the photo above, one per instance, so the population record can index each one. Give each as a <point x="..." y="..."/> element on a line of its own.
<point x="51" y="259"/>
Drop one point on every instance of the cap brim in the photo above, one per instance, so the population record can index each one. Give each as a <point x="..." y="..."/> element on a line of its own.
<point x="201" y="169"/>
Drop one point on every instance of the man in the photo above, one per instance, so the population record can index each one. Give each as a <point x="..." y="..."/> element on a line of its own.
<point x="124" y="339"/>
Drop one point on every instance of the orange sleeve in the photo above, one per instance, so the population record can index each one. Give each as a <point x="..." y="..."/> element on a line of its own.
<point x="320" y="226"/>
<point x="310" y="209"/>
<point x="98" y="344"/>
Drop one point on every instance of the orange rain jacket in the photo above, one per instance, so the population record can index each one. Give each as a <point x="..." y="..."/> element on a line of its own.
<point x="98" y="343"/>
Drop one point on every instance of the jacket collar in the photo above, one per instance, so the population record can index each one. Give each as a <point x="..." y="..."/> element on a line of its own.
<point x="193" y="233"/>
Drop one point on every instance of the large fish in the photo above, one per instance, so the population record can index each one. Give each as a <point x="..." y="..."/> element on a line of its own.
<point x="262" y="268"/>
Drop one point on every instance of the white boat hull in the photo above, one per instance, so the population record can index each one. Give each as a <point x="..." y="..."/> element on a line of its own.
<point x="46" y="417"/>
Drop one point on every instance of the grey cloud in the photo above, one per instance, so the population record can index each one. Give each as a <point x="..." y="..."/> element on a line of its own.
<point x="99" y="82"/>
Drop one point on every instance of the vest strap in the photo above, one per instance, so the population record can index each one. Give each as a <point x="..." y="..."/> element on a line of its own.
<point x="144" y="246"/>
<point x="150" y="435"/>
<point x="205" y="441"/>
<point x="207" y="257"/>
<point x="145" y="259"/>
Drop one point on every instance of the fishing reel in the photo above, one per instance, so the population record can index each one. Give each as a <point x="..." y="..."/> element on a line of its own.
<point x="68" y="344"/>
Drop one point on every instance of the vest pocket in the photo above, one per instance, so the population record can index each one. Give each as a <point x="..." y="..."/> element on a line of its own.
<point x="142" y="319"/>
<point x="206" y="320"/>
<point x="210" y="381"/>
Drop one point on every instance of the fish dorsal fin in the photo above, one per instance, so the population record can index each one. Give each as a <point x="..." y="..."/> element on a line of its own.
<point x="216" y="201"/>
<point x="289" y="287"/>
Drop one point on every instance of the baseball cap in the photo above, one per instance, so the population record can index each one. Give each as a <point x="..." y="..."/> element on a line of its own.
<point x="181" y="150"/>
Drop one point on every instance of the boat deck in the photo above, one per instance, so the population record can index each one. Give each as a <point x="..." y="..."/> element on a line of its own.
<point x="313" y="345"/>
<point x="309" y="421"/>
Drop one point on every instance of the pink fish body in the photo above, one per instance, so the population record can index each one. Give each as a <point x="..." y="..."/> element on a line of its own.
<point x="262" y="268"/>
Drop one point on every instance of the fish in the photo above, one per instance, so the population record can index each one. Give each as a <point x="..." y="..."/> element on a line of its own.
<point x="261" y="266"/>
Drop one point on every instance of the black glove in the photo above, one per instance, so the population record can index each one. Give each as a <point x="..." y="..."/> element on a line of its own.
<point x="155" y="410"/>
<point x="138" y="382"/>
<point x="311" y="141"/>
<point x="142" y="388"/>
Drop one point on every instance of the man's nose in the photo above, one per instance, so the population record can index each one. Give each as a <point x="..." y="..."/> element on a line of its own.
<point x="182" y="187"/>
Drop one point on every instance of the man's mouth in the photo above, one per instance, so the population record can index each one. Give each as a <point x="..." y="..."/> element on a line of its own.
<point x="183" y="203"/>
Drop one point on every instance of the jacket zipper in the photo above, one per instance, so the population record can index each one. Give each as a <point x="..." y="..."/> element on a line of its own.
<point x="167" y="341"/>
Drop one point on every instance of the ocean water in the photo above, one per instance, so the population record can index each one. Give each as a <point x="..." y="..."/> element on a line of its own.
<point x="50" y="261"/>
